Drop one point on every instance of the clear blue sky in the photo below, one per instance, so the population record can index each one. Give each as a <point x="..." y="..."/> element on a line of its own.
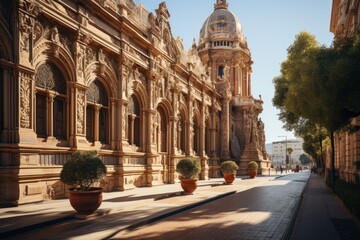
<point x="270" y="28"/>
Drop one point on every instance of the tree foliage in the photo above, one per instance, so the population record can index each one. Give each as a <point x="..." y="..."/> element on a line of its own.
<point x="318" y="89"/>
<point x="304" y="159"/>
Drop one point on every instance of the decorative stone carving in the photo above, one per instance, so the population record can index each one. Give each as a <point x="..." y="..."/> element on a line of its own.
<point x="340" y="26"/>
<point x="26" y="23"/>
<point x="80" y="61"/>
<point x="124" y="118"/>
<point x="25" y="96"/>
<point x="25" y="30"/>
<point x="55" y="37"/>
<point x="80" y="118"/>
<point x="108" y="4"/>
<point x="153" y="130"/>
<point x="89" y="56"/>
<point x="38" y="32"/>
<point x="45" y="77"/>
<point x="125" y="76"/>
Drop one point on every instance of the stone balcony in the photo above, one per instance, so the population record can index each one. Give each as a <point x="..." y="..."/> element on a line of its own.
<point x="247" y="102"/>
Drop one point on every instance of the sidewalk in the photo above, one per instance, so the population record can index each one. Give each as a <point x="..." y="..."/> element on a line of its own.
<point x="120" y="211"/>
<point x="323" y="216"/>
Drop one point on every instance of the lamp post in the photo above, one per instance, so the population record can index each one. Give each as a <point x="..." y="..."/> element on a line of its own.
<point x="285" y="151"/>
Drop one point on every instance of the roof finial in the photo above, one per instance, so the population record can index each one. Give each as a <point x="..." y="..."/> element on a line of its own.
<point x="220" y="4"/>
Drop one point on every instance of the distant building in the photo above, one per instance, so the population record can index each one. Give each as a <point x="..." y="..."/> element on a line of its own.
<point x="278" y="150"/>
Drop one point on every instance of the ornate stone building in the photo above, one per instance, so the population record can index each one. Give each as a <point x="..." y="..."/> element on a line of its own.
<point x="108" y="75"/>
<point x="345" y="20"/>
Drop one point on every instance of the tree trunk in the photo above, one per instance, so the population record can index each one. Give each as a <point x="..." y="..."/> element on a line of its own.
<point x="322" y="165"/>
<point x="332" y="158"/>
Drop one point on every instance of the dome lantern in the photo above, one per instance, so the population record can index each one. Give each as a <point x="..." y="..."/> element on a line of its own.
<point x="220" y="4"/>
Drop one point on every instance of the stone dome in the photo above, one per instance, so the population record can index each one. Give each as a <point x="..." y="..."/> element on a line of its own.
<point x="221" y="25"/>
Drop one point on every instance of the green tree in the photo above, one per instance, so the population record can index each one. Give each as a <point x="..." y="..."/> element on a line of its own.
<point x="311" y="90"/>
<point x="304" y="159"/>
<point x="288" y="157"/>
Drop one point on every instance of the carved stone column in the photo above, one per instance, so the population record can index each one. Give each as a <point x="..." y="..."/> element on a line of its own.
<point x="78" y="108"/>
<point x="131" y="128"/>
<point x="204" y="166"/>
<point x="26" y="109"/>
<point x="96" y="122"/>
<point x="50" y="105"/>
<point x="114" y="126"/>
<point x="190" y="124"/>
<point x="225" y="129"/>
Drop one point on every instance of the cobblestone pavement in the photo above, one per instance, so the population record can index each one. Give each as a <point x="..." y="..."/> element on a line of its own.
<point x="260" y="212"/>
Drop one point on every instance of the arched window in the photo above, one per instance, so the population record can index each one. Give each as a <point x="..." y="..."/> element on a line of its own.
<point x="2" y="94"/>
<point x="181" y="133"/>
<point x="221" y="71"/>
<point x="50" y="102"/>
<point x="207" y="138"/>
<point x="134" y="130"/>
<point x="196" y="136"/>
<point x="163" y="130"/>
<point x="97" y="113"/>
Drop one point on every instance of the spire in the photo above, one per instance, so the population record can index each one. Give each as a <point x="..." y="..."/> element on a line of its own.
<point x="221" y="4"/>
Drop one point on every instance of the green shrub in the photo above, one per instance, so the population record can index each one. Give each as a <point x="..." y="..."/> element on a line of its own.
<point x="228" y="166"/>
<point x="188" y="168"/>
<point x="253" y="165"/>
<point x="349" y="193"/>
<point x="82" y="170"/>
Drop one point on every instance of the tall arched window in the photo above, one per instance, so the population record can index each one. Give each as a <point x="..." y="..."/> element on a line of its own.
<point x="50" y="102"/>
<point x="163" y="129"/>
<point x="181" y="133"/>
<point x="97" y="113"/>
<point x="207" y="138"/>
<point x="134" y="130"/>
<point x="196" y="136"/>
<point x="2" y="94"/>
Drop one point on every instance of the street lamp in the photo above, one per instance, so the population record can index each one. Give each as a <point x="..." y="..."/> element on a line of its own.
<point x="285" y="151"/>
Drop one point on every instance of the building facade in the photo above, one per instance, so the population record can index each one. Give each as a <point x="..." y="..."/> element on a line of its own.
<point x="345" y="20"/>
<point x="108" y="75"/>
<point x="279" y="152"/>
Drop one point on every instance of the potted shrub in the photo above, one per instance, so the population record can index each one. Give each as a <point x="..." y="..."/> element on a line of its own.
<point x="252" y="169"/>
<point x="189" y="170"/>
<point x="81" y="171"/>
<point x="229" y="168"/>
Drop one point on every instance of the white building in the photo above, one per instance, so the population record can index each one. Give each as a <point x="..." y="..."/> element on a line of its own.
<point x="279" y="151"/>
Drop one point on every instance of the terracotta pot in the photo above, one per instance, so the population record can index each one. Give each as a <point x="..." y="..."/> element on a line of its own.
<point x="189" y="185"/>
<point x="252" y="173"/>
<point x="229" y="178"/>
<point x="86" y="202"/>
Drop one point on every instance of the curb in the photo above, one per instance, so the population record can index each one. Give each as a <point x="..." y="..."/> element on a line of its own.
<point x="291" y="224"/>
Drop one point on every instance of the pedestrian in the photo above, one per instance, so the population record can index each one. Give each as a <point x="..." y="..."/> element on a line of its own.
<point x="281" y="169"/>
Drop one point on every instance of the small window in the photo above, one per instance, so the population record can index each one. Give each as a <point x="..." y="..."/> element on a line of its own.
<point x="221" y="71"/>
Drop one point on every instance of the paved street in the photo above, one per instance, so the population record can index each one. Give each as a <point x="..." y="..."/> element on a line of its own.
<point x="262" y="208"/>
<point x="251" y="203"/>
<point x="262" y="212"/>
